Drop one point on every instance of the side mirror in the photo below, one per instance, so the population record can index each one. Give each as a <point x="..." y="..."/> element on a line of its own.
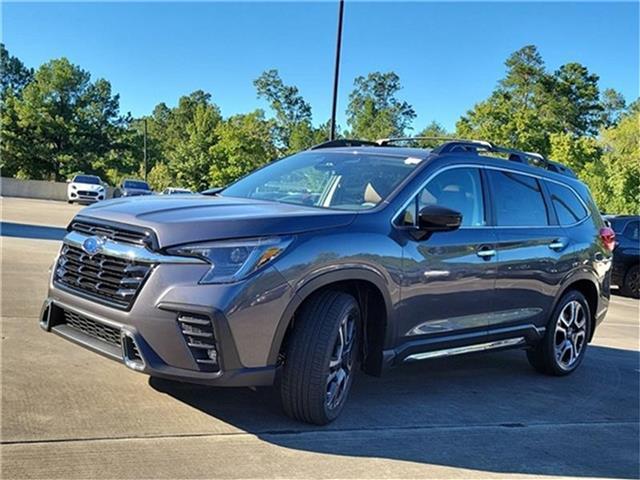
<point x="68" y="180"/>
<point x="435" y="218"/>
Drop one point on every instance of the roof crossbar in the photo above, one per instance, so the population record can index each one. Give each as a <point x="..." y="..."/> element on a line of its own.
<point x="344" y="142"/>
<point x="391" y="141"/>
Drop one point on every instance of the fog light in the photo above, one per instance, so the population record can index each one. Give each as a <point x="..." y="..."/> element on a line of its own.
<point x="213" y="355"/>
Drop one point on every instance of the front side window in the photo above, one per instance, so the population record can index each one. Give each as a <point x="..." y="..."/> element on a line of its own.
<point x="346" y="181"/>
<point x="568" y="207"/>
<point x="518" y="200"/>
<point x="459" y="189"/>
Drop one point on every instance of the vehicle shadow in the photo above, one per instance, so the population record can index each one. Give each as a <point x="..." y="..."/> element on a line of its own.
<point x="489" y="412"/>
<point x="38" y="232"/>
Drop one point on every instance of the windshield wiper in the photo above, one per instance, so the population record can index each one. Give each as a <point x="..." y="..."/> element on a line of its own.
<point x="212" y="191"/>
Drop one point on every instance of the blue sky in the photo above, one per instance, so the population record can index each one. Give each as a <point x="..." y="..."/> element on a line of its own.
<point x="448" y="55"/>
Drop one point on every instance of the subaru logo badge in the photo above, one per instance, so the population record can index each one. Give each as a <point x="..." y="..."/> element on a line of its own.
<point x="92" y="245"/>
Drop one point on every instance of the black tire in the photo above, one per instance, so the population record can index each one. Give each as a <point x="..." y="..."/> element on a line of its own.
<point x="553" y="356"/>
<point x="70" y="202"/>
<point x="314" y="344"/>
<point x="631" y="286"/>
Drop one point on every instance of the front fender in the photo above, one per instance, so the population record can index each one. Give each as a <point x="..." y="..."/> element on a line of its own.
<point x="320" y="278"/>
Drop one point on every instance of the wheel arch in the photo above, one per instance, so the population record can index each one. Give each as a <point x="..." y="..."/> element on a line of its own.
<point x="369" y="287"/>
<point x="588" y="287"/>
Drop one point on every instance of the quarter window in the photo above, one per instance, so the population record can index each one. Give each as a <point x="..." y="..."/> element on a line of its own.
<point x="631" y="231"/>
<point x="569" y="208"/>
<point x="518" y="200"/>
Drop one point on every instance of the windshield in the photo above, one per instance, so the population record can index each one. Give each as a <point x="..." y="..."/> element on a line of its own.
<point x="136" y="184"/>
<point x="348" y="181"/>
<point x="87" y="179"/>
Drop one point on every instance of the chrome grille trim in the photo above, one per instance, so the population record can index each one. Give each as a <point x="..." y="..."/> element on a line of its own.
<point x="132" y="252"/>
<point x="111" y="232"/>
<point x="106" y="279"/>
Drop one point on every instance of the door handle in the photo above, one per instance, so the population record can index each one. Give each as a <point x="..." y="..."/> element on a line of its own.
<point x="486" y="253"/>
<point x="557" y="245"/>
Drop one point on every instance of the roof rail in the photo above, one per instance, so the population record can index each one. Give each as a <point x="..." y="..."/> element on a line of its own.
<point x="344" y="142"/>
<point x="391" y="141"/>
<point x="459" y="145"/>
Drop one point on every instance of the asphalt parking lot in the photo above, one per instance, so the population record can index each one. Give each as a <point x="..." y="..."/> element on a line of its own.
<point x="68" y="413"/>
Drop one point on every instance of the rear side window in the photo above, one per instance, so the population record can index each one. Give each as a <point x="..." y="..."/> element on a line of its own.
<point x="568" y="207"/>
<point x="518" y="200"/>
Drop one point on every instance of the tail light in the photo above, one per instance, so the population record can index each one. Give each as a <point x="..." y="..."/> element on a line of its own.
<point x="608" y="237"/>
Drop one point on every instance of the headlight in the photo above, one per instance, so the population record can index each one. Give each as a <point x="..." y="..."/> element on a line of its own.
<point x="73" y="187"/>
<point x="101" y="189"/>
<point x="233" y="260"/>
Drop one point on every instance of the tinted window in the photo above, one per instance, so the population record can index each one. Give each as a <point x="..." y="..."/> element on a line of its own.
<point x="631" y="231"/>
<point x="568" y="207"/>
<point x="87" y="179"/>
<point x="518" y="200"/>
<point x="140" y="185"/>
<point x="459" y="189"/>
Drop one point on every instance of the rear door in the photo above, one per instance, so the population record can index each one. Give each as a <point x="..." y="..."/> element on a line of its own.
<point x="448" y="277"/>
<point x="534" y="252"/>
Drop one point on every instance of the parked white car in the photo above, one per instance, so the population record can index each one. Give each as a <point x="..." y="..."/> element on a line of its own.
<point x="86" y="189"/>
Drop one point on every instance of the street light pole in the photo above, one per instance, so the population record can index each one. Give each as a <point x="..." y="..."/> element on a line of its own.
<point x="144" y="151"/>
<point x="336" y="73"/>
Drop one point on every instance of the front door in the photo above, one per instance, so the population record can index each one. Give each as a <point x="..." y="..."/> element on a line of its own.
<point x="448" y="277"/>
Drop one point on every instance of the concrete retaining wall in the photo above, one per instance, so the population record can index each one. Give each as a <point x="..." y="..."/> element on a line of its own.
<point x="12" y="187"/>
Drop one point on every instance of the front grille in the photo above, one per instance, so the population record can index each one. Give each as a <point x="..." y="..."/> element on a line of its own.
<point x="94" y="329"/>
<point x="112" y="280"/>
<point x="112" y="233"/>
<point x="198" y="333"/>
<point x="87" y="193"/>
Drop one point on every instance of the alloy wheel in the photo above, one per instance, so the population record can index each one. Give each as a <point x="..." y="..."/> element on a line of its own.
<point x="341" y="362"/>
<point x="570" y="335"/>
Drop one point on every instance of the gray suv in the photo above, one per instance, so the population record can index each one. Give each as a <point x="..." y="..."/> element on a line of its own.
<point x="351" y="255"/>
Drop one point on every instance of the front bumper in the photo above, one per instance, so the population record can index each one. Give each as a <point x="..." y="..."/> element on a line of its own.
<point x="244" y="317"/>
<point x="78" y="196"/>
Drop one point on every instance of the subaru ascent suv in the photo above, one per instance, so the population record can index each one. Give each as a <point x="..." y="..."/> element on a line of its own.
<point x="352" y="255"/>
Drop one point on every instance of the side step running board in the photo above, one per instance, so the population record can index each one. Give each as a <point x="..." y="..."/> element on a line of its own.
<point x="509" y="342"/>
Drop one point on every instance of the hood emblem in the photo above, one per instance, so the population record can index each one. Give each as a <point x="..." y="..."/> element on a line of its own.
<point x="92" y="245"/>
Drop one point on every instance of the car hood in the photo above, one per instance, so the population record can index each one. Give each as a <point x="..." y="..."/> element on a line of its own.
<point x="198" y="218"/>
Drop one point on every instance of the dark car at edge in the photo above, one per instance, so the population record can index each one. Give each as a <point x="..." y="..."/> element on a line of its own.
<point x="626" y="256"/>
<point x="350" y="256"/>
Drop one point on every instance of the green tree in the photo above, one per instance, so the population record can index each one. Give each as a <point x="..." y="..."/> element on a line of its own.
<point x="181" y="138"/>
<point x="613" y="107"/>
<point x="374" y="110"/>
<point x="15" y="75"/>
<point x="61" y="124"/>
<point x="621" y="159"/>
<point x="160" y="177"/>
<point x="245" y="143"/>
<point x="433" y="130"/>
<point x="293" y="128"/>
<point x="530" y="104"/>
<point x="577" y="99"/>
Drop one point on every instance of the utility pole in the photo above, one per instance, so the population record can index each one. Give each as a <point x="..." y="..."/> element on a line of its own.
<point x="144" y="151"/>
<point x="336" y="73"/>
